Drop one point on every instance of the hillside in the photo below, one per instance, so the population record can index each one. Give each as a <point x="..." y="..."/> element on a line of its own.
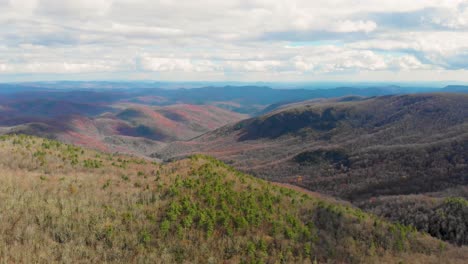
<point x="456" y="89"/>
<point x="352" y="149"/>
<point x="51" y="108"/>
<point x="62" y="203"/>
<point x="119" y="126"/>
<point x="124" y="117"/>
<point x="173" y="122"/>
<point x="444" y="218"/>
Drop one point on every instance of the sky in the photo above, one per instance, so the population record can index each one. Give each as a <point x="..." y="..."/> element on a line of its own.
<point x="234" y="40"/>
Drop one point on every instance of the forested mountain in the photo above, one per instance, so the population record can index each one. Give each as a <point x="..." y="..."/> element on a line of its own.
<point x="385" y="154"/>
<point x="62" y="203"/>
<point x="357" y="150"/>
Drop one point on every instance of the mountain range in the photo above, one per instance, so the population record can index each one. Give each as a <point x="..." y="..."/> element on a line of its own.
<point x="391" y="153"/>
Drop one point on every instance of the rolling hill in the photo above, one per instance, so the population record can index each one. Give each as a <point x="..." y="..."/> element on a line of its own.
<point x="395" y="156"/>
<point x="353" y="149"/>
<point x="173" y="122"/>
<point x="62" y="203"/>
<point x="247" y="99"/>
<point x="129" y="114"/>
<point x="442" y="217"/>
<point x="106" y="119"/>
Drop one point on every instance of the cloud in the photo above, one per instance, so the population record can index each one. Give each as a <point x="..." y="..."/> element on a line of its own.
<point x="253" y="66"/>
<point x="354" y="26"/>
<point x="55" y="67"/>
<point x="241" y="38"/>
<point x="442" y="49"/>
<point x="3" y="68"/>
<point x="168" y="64"/>
<point x="21" y="6"/>
<point x="332" y="60"/>
<point x="142" y="31"/>
<point x="81" y="8"/>
<point x="407" y="62"/>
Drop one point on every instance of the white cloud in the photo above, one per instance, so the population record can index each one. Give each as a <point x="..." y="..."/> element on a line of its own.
<point x="254" y="66"/>
<point x="168" y="64"/>
<point x="3" y="68"/>
<point x="55" y="67"/>
<point x="22" y="6"/>
<point x="339" y="60"/>
<point x="455" y="17"/>
<point x="355" y="26"/>
<point x="240" y="38"/>
<point x="407" y="62"/>
<point x="143" y="31"/>
<point x="70" y="8"/>
<point x="439" y="48"/>
<point x="302" y="64"/>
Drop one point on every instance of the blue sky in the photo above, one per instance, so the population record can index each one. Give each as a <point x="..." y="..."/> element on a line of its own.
<point x="234" y="40"/>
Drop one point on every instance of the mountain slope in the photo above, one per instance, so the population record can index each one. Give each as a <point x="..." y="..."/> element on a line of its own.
<point x="61" y="203"/>
<point x="456" y="89"/>
<point x="52" y="109"/>
<point x="122" y="127"/>
<point x="174" y="122"/>
<point x="444" y="218"/>
<point x="352" y="149"/>
<point x="386" y="147"/>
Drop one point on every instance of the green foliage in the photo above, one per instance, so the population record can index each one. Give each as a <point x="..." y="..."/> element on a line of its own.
<point x="456" y="202"/>
<point x="106" y="184"/>
<point x="125" y="177"/>
<point x="92" y="164"/>
<point x="145" y="237"/>
<point x="165" y="226"/>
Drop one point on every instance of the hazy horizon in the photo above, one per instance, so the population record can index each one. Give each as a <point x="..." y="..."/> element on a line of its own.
<point x="95" y="84"/>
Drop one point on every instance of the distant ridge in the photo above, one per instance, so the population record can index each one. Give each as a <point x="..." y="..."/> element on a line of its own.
<point x="456" y="88"/>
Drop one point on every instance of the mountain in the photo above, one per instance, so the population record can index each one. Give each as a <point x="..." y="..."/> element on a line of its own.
<point x="109" y="118"/>
<point x="122" y="127"/>
<point x="247" y="99"/>
<point x="288" y="140"/>
<point x="62" y="203"/>
<point x="175" y="122"/>
<point x="456" y="89"/>
<point x="353" y="149"/>
<point x="444" y="218"/>
<point x="52" y="108"/>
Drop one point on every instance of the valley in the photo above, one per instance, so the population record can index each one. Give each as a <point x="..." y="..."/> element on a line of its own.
<point x="354" y="150"/>
<point x="371" y="149"/>
<point x="400" y="158"/>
